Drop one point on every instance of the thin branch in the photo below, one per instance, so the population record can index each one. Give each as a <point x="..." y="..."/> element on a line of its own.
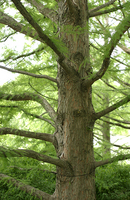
<point x="5" y="152"/>
<point x="28" y="134"/>
<point x="41" y="93"/>
<point x="39" y="117"/>
<point x="49" y="13"/>
<point x="39" y="30"/>
<point x="23" y="55"/>
<point x="125" y="49"/>
<point x="12" y="23"/>
<point x="111" y="108"/>
<point x="111" y="86"/>
<point x="28" y="73"/>
<point x="122" y="27"/>
<point x="33" y="97"/>
<point x="120" y="62"/>
<point x="9" y="21"/>
<point x="111" y="56"/>
<point x="114" y="87"/>
<point x="109" y="143"/>
<point x="26" y="188"/>
<point x="102" y="6"/>
<point x="120" y="81"/>
<point x="111" y="160"/>
<point x="94" y="14"/>
<point x="30" y="114"/>
<point x="121" y="121"/>
<point x="6" y="37"/>
<point x="116" y="124"/>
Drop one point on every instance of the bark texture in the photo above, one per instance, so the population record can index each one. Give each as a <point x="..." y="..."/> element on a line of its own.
<point x="75" y="111"/>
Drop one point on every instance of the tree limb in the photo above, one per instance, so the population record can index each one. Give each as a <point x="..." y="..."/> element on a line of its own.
<point x="5" y="152"/>
<point x="6" y="37"/>
<point x="120" y="81"/>
<point x="115" y="145"/>
<point x="125" y="49"/>
<point x="29" y="74"/>
<point x="33" y="97"/>
<point x="9" y="21"/>
<point x="102" y="6"/>
<point x="123" y="26"/>
<point x="111" y="56"/>
<point x="94" y="14"/>
<point x="121" y="121"/>
<point x="114" y="87"/>
<point x="23" y="55"/>
<point x="38" y="29"/>
<point x="12" y="23"/>
<point x="28" y="134"/>
<point x="26" y="188"/>
<point x="116" y="124"/>
<point x="111" y="160"/>
<point x="111" y="108"/>
<point x="30" y="114"/>
<point x="49" y="13"/>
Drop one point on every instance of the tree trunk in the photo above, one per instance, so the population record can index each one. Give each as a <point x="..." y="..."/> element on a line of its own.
<point x="75" y="111"/>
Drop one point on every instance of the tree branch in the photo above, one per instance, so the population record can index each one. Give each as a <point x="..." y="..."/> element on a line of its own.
<point x="120" y="121"/>
<point x="4" y="152"/>
<point x="111" y="108"/>
<point x="111" y="56"/>
<point x="23" y="55"/>
<point x="38" y="29"/>
<point x="26" y="188"/>
<point x="114" y="87"/>
<point x="102" y="6"/>
<point x="109" y="143"/>
<point x="9" y="21"/>
<point x="94" y="14"/>
<point x="6" y="37"/>
<point x="49" y="13"/>
<point x="120" y="81"/>
<point x="30" y="114"/>
<point x="111" y="160"/>
<point x="28" y="134"/>
<point x="29" y="74"/>
<point x="33" y="97"/>
<point x="125" y="49"/>
<point x="12" y="23"/>
<point x="116" y="124"/>
<point x="123" y="26"/>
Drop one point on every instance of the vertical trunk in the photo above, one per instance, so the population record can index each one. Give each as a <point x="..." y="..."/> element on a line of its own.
<point x="75" y="110"/>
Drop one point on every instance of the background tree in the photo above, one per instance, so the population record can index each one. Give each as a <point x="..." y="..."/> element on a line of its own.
<point x="62" y="52"/>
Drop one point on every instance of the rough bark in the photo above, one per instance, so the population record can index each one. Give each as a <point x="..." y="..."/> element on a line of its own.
<point x="75" y="112"/>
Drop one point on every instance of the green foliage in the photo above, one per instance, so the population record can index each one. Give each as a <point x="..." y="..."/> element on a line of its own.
<point x="113" y="182"/>
<point x="28" y="174"/>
